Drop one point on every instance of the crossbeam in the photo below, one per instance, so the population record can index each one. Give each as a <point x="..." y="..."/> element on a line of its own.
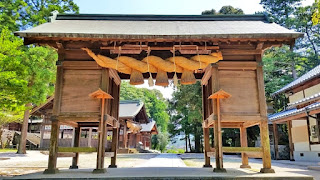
<point x="77" y="149"/>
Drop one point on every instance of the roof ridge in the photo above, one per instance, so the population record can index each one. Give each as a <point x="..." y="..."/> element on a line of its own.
<point x="156" y="17"/>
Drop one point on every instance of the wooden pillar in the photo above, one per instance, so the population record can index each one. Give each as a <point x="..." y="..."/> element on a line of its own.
<point x="42" y="129"/>
<point x="291" y="147"/>
<point x="115" y="130"/>
<point x="24" y="130"/>
<point x="102" y="129"/>
<point x="53" y="150"/>
<point x="55" y="127"/>
<point x="217" y="127"/>
<point x="76" y="143"/>
<point x="90" y="137"/>
<point x="125" y="136"/>
<point x="114" y="148"/>
<point x="205" y="130"/>
<point x="264" y="130"/>
<point x="206" y="147"/>
<point x="275" y="141"/>
<point x="101" y="142"/>
<point x="244" y="143"/>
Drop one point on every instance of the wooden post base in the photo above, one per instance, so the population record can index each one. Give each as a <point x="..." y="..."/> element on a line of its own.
<point x="73" y="167"/>
<point x="113" y="166"/>
<point x="51" y="171"/>
<point x="267" y="170"/>
<point x="99" y="171"/>
<point x="245" y="166"/>
<point x="207" y="166"/>
<point x="219" y="170"/>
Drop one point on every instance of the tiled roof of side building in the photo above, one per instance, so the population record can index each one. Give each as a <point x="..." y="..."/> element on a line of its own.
<point x="292" y="112"/>
<point x="130" y="108"/>
<point x="314" y="97"/>
<point x="160" y="26"/>
<point x="312" y="74"/>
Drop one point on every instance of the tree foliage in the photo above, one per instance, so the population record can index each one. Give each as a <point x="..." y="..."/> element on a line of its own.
<point x="282" y="65"/>
<point x="27" y="72"/>
<point x="223" y="10"/>
<point x="186" y="113"/>
<point x="23" y="14"/>
<point x="155" y="104"/>
<point x="316" y="13"/>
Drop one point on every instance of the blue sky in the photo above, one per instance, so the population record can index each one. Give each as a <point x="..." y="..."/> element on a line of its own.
<point x="165" y="6"/>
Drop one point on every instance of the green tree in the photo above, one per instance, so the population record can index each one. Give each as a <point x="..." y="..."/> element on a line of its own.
<point x="223" y="10"/>
<point x="160" y="140"/>
<point x="230" y="10"/>
<point x="9" y="14"/>
<point x="280" y="10"/>
<point x="187" y="114"/>
<point x="155" y="104"/>
<point x="38" y="12"/>
<point x="31" y="72"/>
<point x="316" y="13"/>
<point x="23" y="14"/>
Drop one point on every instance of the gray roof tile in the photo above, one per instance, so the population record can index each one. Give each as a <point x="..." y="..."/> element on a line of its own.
<point x="177" y="27"/>
<point x="292" y="112"/>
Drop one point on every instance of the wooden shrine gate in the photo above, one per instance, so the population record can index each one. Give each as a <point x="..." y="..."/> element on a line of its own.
<point x="97" y="51"/>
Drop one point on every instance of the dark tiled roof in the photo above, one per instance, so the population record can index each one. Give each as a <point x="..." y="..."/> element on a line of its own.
<point x="160" y="26"/>
<point x="314" y="73"/>
<point x="292" y="112"/>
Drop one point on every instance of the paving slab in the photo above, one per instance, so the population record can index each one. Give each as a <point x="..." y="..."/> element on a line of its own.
<point x="164" y="160"/>
<point x="163" y="173"/>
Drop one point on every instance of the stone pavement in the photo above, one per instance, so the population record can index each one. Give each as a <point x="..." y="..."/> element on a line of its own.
<point x="164" y="160"/>
<point x="163" y="173"/>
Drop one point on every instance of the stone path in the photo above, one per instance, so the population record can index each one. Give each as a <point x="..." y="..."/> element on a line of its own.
<point x="164" y="160"/>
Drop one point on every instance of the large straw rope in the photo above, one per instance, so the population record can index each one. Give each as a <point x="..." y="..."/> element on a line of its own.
<point x="125" y="64"/>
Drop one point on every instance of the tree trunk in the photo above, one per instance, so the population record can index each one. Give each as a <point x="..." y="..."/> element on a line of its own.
<point x="24" y="130"/>
<point x="197" y="143"/>
<point x="294" y="71"/>
<point x="186" y="138"/>
<point x="313" y="46"/>
<point x="189" y="143"/>
<point x="1" y="136"/>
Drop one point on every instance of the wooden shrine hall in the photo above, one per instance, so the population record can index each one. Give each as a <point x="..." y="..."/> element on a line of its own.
<point x="224" y="52"/>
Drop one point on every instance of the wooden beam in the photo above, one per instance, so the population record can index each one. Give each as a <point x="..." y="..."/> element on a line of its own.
<point x="241" y="65"/>
<point x="244" y="143"/>
<point x="205" y="129"/>
<point x="66" y="154"/>
<point x="275" y="141"/>
<point x="58" y="91"/>
<point x="53" y="150"/>
<point x="291" y="147"/>
<point x="240" y="52"/>
<point x="264" y="131"/>
<point x="254" y="154"/>
<point x="241" y="149"/>
<point x="77" y="149"/>
<point x="76" y="143"/>
<point x="206" y="76"/>
<point x="217" y="129"/>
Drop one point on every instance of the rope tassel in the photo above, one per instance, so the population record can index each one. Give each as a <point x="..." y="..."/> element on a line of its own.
<point x="175" y="79"/>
